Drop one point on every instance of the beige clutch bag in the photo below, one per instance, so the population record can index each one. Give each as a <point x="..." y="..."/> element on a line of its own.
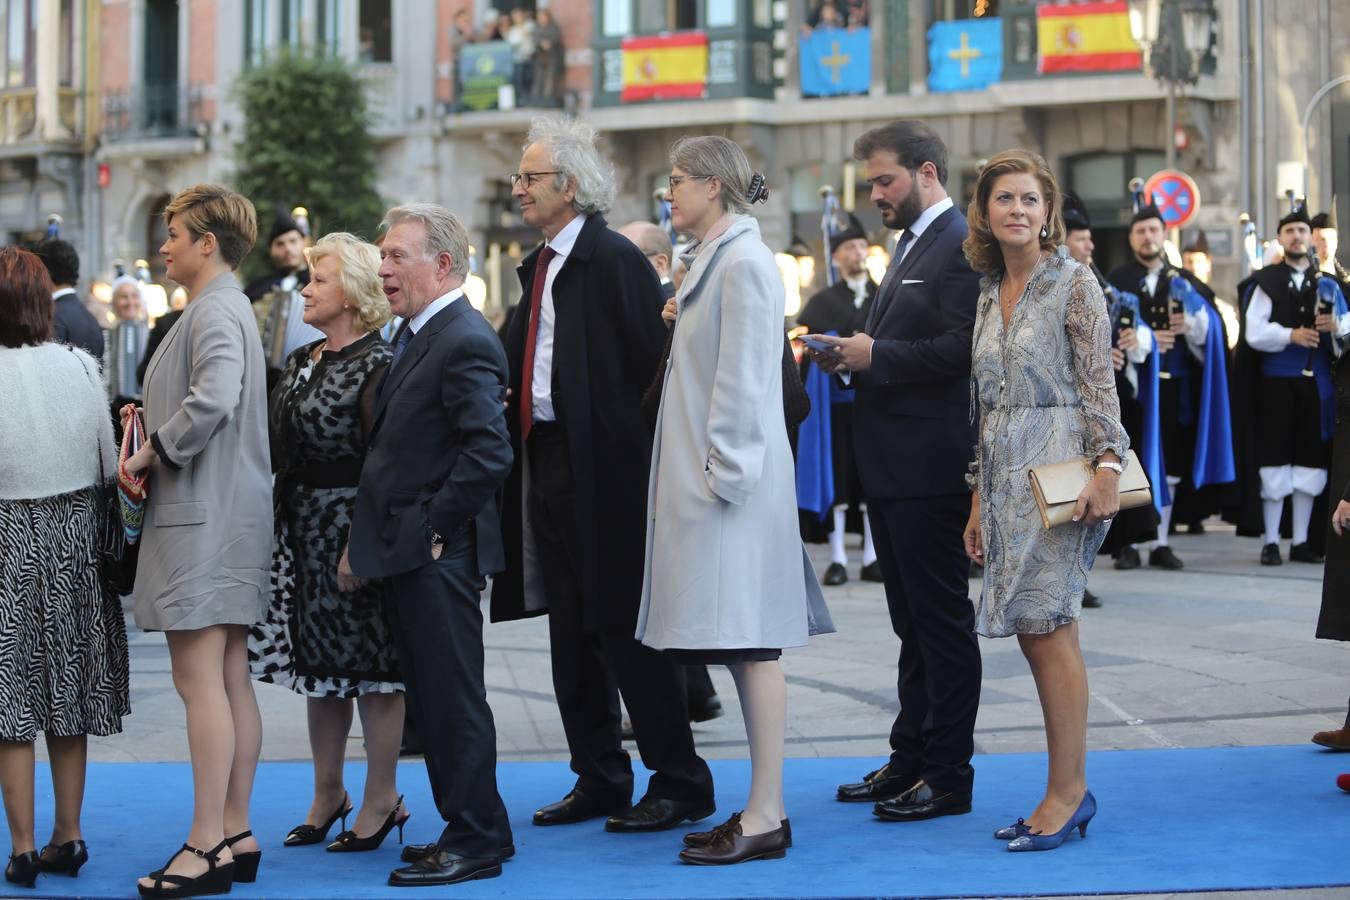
<point x="1056" y="487"/>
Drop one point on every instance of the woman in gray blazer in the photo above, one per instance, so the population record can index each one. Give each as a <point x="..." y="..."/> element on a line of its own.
<point x="727" y="580"/>
<point x="202" y="577"/>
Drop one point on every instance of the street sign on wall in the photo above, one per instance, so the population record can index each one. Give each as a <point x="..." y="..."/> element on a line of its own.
<point x="1177" y="196"/>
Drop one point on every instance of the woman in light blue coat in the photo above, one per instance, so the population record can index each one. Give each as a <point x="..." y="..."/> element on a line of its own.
<point x="727" y="580"/>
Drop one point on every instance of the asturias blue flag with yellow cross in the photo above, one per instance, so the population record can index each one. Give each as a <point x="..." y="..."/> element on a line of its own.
<point x="965" y="55"/>
<point x="836" y="61"/>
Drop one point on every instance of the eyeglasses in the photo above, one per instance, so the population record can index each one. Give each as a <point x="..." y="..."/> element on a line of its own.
<point x="528" y="177"/>
<point x="676" y="180"/>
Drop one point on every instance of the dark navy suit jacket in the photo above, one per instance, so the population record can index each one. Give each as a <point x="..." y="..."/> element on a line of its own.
<point x="912" y="431"/>
<point x="438" y="450"/>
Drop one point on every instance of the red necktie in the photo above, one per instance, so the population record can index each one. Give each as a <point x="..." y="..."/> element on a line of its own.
<point x="531" y="334"/>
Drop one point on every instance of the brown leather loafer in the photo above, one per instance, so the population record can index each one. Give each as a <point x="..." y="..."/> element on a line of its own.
<point x="731" y="847"/>
<point x="1334" y="740"/>
<point x="704" y="838"/>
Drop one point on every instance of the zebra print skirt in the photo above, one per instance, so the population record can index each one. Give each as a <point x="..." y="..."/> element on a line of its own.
<point x="63" y="637"/>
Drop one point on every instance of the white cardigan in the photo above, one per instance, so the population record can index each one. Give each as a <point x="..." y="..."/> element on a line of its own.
<point x="54" y="420"/>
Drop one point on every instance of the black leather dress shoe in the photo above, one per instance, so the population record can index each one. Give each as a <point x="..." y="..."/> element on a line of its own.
<point x="444" y="867"/>
<point x="1091" y="600"/>
<point x="1270" y="555"/>
<point x="1306" y="554"/>
<point x="414" y="852"/>
<point x="576" y="807"/>
<point x="881" y="784"/>
<point x="658" y="814"/>
<point x="922" y="802"/>
<point x="707" y="710"/>
<point x="872" y="572"/>
<point x="1163" y="558"/>
<point x="1127" y="558"/>
<point x="835" y="575"/>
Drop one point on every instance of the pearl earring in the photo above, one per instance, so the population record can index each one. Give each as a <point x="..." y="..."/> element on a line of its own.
<point x="1044" y="233"/>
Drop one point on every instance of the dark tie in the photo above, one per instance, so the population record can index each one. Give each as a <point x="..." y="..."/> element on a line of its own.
<point x="884" y="291"/>
<point x="531" y="334"/>
<point x="404" y="339"/>
<point x="905" y="237"/>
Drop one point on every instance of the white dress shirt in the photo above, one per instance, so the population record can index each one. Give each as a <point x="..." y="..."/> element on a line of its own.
<point x="541" y="380"/>
<point x="1272" y="337"/>
<point x="925" y="219"/>
<point x="434" y="307"/>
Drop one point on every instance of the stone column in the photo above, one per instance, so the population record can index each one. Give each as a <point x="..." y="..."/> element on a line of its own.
<point x="48" y="76"/>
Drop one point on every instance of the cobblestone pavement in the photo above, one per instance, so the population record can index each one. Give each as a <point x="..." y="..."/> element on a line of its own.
<point x="1219" y="654"/>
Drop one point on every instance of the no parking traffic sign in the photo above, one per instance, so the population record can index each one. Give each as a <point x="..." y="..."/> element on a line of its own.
<point x="1176" y="194"/>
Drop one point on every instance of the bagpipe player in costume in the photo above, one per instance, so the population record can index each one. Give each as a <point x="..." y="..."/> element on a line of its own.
<point x="276" y="296"/>
<point x="1136" y="370"/>
<point x="1294" y="320"/>
<point x="1192" y="349"/>
<point x="835" y="500"/>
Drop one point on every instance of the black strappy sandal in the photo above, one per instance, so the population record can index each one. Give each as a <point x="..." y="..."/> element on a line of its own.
<point x="246" y="863"/>
<point x="314" y="834"/>
<point x="215" y="880"/>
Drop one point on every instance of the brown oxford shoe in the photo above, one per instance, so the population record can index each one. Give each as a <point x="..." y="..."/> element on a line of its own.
<point x="730" y="846"/>
<point x="1334" y="740"/>
<point x="704" y="838"/>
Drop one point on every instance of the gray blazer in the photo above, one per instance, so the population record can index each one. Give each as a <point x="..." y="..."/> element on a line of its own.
<point x="207" y="544"/>
<point x="725" y="566"/>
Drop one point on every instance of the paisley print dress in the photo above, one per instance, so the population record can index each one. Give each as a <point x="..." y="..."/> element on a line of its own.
<point x="1044" y="390"/>
<point x="316" y="639"/>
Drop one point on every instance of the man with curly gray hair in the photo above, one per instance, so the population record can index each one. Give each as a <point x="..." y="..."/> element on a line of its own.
<point x="584" y="344"/>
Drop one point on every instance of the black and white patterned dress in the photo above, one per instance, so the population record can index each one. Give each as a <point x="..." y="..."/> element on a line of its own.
<point x="316" y="639"/>
<point x="63" y="638"/>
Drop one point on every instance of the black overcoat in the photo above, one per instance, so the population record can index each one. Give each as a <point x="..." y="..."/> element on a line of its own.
<point x="607" y="340"/>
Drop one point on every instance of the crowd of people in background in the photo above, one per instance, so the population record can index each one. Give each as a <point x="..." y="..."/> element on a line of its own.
<point x="537" y="51"/>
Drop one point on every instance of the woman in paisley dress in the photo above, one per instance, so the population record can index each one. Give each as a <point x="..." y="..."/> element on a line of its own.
<point x="325" y="635"/>
<point x="1045" y="390"/>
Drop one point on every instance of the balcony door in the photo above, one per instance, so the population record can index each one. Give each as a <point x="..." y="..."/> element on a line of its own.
<point x="160" y="103"/>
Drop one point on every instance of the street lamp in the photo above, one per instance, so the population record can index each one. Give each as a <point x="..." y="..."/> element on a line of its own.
<point x="1194" y="20"/>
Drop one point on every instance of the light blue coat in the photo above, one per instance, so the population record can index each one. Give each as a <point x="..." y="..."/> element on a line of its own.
<point x="725" y="565"/>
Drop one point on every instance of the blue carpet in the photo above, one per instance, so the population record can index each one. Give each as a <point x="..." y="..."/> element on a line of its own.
<point x="1170" y="820"/>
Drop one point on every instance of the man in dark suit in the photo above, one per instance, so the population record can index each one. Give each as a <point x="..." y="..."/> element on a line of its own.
<point x="426" y="522"/>
<point x="912" y="439"/>
<point x="71" y="322"/>
<point x="582" y="347"/>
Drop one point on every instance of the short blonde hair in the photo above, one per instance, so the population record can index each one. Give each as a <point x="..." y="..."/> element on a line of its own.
<point x="358" y="274"/>
<point x="220" y="211"/>
<point x="981" y="247"/>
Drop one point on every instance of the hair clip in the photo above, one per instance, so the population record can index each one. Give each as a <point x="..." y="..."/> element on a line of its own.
<point x="758" y="192"/>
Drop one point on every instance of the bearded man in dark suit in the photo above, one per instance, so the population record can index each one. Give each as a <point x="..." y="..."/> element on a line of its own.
<point x="912" y="439"/>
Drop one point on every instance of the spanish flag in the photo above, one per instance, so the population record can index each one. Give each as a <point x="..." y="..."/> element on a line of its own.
<point x="667" y="67"/>
<point x="1086" y="37"/>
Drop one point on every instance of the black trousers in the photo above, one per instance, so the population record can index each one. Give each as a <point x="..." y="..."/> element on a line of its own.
<point x="591" y="667"/>
<point x="438" y="626"/>
<point x="926" y="572"/>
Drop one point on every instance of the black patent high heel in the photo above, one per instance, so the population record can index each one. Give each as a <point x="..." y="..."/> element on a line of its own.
<point x="215" y="880"/>
<point x="65" y="858"/>
<point x="246" y="863"/>
<point x="23" y="869"/>
<point x="302" y="835"/>
<point x="348" y="842"/>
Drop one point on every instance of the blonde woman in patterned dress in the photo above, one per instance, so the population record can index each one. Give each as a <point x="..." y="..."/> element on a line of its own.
<point x="1044" y="385"/>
